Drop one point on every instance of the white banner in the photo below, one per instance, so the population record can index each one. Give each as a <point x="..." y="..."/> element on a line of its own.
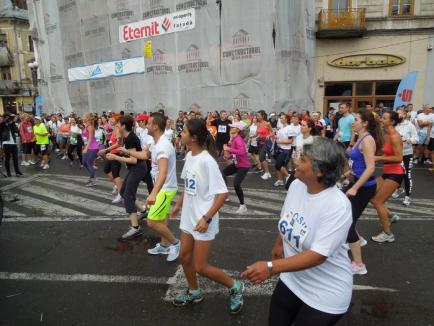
<point x="107" y="69"/>
<point x="171" y="23"/>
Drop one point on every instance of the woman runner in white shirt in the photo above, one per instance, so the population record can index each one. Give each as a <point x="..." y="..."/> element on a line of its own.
<point x="204" y="194"/>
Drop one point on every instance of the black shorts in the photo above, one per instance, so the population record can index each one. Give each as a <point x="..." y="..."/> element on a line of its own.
<point x="394" y="177"/>
<point x="41" y="149"/>
<point x="114" y="167"/>
<point x="253" y="149"/>
<point x="28" y="147"/>
<point x="431" y="144"/>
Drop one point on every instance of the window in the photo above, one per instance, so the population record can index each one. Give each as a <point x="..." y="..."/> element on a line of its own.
<point x="3" y="40"/>
<point x="5" y="73"/>
<point x="401" y="8"/>
<point x="31" y="44"/>
<point x="363" y="89"/>
<point x="339" y="89"/>
<point x="386" y="88"/>
<point x="340" y="5"/>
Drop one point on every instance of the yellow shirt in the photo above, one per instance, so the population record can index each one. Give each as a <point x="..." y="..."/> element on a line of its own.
<point x="41" y="140"/>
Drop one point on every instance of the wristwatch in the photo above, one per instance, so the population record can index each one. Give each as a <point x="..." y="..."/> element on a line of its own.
<point x="270" y="267"/>
<point x="207" y="220"/>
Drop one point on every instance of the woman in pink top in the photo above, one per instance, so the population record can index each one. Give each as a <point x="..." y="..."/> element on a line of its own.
<point x="240" y="161"/>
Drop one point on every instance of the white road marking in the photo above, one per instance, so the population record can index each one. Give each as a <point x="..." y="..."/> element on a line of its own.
<point x="176" y="283"/>
<point x="10" y="212"/>
<point x="105" y="218"/>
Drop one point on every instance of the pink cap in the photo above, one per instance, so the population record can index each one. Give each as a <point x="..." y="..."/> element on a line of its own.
<point x="239" y="125"/>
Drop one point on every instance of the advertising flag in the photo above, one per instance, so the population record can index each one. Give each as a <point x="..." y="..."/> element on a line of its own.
<point x="405" y="92"/>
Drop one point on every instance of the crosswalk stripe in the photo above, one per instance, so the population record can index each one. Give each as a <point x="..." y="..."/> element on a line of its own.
<point x="10" y="212"/>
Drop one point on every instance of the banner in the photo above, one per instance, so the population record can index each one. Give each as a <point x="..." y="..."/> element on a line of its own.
<point x="108" y="69"/>
<point x="171" y="23"/>
<point x="405" y="91"/>
<point x="39" y="105"/>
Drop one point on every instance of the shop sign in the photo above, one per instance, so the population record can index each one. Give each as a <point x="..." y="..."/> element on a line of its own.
<point x="361" y="61"/>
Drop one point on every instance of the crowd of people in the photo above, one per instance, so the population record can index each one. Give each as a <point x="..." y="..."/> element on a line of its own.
<point x="328" y="160"/>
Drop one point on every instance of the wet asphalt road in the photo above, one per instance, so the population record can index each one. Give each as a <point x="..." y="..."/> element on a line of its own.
<point x="60" y="268"/>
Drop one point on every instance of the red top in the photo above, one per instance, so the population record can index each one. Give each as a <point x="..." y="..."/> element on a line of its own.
<point x="263" y="131"/>
<point x="114" y="141"/>
<point x="391" y="168"/>
<point x="26" y="132"/>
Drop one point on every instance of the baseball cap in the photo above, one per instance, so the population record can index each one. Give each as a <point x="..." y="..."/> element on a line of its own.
<point x="37" y="117"/>
<point x="142" y="117"/>
<point x="239" y="125"/>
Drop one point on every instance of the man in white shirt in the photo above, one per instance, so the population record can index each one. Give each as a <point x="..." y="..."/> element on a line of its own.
<point x="163" y="173"/>
<point x="423" y="123"/>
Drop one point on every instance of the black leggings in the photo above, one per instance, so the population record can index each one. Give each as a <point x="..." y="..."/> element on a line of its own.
<point x="78" y="148"/>
<point x="148" y="178"/>
<point x="358" y="205"/>
<point x="241" y="174"/>
<point x="286" y="308"/>
<point x="408" y="167"/>
<point x="130" y="185"/>
<point x="11" y="151"/>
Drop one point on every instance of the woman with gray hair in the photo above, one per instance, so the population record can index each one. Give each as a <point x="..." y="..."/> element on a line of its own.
<point x="316" y="280"/>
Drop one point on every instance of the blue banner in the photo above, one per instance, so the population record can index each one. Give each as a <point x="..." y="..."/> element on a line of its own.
<point x="39" y="105"/>
<point x="405" y="92"/>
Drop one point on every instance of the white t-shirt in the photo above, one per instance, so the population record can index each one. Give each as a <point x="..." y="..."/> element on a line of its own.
<point x="295" y="131"/>
<point x="202" y="182"/>
<point x="252" y="135"/>
<point x="425" y="118"/>
<point x="164" y="149"/>
<point x="146" y="140"/>
<point x="54" y="126"/>
<point x="432" y="122"/>
<point x="305" y="225"/>
<point x="284" y="134"/>
<point x="168" y="133"/>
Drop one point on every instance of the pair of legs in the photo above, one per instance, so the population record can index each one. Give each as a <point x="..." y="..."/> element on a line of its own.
<point x="75" y="148"/>
<point x="129" y="188"/>
<point x="287" y="309"/>
<point x="11" y="151"/>
<point x="88" y="159"/>
<point x="253" y="153"/>
<point x="358" y="205"/>
<point x="239" y="177"/>
<point x="42" y="149"/>
<point x="385" y="189"/>
<point x="262" y="148"/>
<point x="282" y="160"/>
<point x="408" y="180"/>
<point x="194" y="259"/>
<point x="157" y="218"/>
<point x="27" y="151"/>
<point x="112" y="169"/>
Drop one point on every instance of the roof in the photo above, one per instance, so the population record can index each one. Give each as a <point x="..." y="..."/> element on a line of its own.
<point x="7" y="10"/>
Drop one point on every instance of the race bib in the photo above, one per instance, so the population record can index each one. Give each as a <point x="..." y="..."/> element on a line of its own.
<point x="190" y="184"/>
<point x="293" y="230"/>
<point x="234" y="159"/>
<point x="85" y="140"/>
<point x="222" y="129"/>
<point x="29" y="129"/>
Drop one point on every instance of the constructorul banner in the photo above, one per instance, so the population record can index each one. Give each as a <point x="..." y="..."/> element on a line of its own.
<point x="107" y="69"/>
<point x="175" y="22"/>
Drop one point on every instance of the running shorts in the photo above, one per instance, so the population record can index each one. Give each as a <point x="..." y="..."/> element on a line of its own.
<point x="41" y="149"/>
<point x="27" y="147"/>
<point x="114" y="167"/>
<point x="431" y="144"/>
<point x="159" y="211"/>
<point x="394" y="177"/>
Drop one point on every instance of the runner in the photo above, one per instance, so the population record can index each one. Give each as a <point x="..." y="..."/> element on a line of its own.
<point x="315" y="284"/>
<point x="423" y="121"/>
<point x="136" y="172"/>
<point x="253" y="145"/>
<point x="264" y="132"/>
<point x="409" y="137"/>
<point x="392" y="174"/>
<point x="27" y="139"/>
<point x="362" y="163"/>
<point x="75" y="142"/>
<point x="283" y="150"/>
<point x="240" y="162"/>
<point x="90" y="150"/>
<point x="223" y="131"/>
<point x="165" y="186"/>
<point x="8" y="139"/>
<point x="42" y="142"/>
<point x="204" y="194"/>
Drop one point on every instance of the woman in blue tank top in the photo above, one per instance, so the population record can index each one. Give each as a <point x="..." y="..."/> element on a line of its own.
<point x="362" y="164"/>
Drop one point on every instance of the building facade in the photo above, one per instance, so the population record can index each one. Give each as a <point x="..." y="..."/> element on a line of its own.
<point x="17" y="87"/>
<point x="365" y="47"/>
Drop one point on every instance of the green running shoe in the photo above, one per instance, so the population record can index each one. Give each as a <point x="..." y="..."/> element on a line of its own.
<point x="236" y="297"/>
<point x="189" y="296"/>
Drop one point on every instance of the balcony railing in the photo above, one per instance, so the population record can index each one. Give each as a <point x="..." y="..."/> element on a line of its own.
<point x="341" y="23"/>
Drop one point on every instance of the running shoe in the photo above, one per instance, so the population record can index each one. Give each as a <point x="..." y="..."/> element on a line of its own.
<point x="174" y="251"/>
<point x="427" y="162"/>
<point x="57" y="150"/>
<point x="45" y="167"/>
<point x="90" y="183"/>
<point x="115" y="190"/>
<point x="236" y="297"/>
<point x="363" y="241"/>
<point x="64" y="157"/>
<point x="117" y="199"/>
<point x="279" y="183"/>
<point x="406" y="201"/>
<point x="383" y="237"/>
<point x="266" y="176"/>
<point x="187" y="297"/>
<point x="143" y="216"/>
<point x="32" y="162"/>
<point x="395" y="194"/>
<point x="158" y="250"/>
<point x="241" y="210"/>
<point x="42" y="164"/>
<point x="358" y="269"/>
<point x="394" y="218"/>
<point x="25" y="163"/>
<point x="95" y="167"/>
<point x="132" y="233"/>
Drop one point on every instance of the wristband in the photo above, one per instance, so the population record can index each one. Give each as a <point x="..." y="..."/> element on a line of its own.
<point x="207" y="220"/>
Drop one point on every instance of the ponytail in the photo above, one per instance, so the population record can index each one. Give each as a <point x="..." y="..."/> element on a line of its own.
<point x="210" y="145"/>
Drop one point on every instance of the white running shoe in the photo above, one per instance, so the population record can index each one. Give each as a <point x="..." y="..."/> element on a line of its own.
<point x="358" y="269"/>
<point x="117" y="199"/>
<point x="45" y="167"/>
<point x="241" y="210"/>
<point x="406" y="201"/>
<point x="279" y="183"/>
<point x="114" y="190"/>
<point x="395" y="194"/>
<point x="25" y="163"/>
<point x="394" y="218"/>
<point x="64" y="157"/>
<point x="42" y="164"/>
<point x="32" y="162"/>
<point x="158" y="250"/>
<point x="266" y="176"/>
<point x="132" y="233"/>
<point x="383" y="237"/>
<point x="427" y="162"/>
<point x="173" y="251"/>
